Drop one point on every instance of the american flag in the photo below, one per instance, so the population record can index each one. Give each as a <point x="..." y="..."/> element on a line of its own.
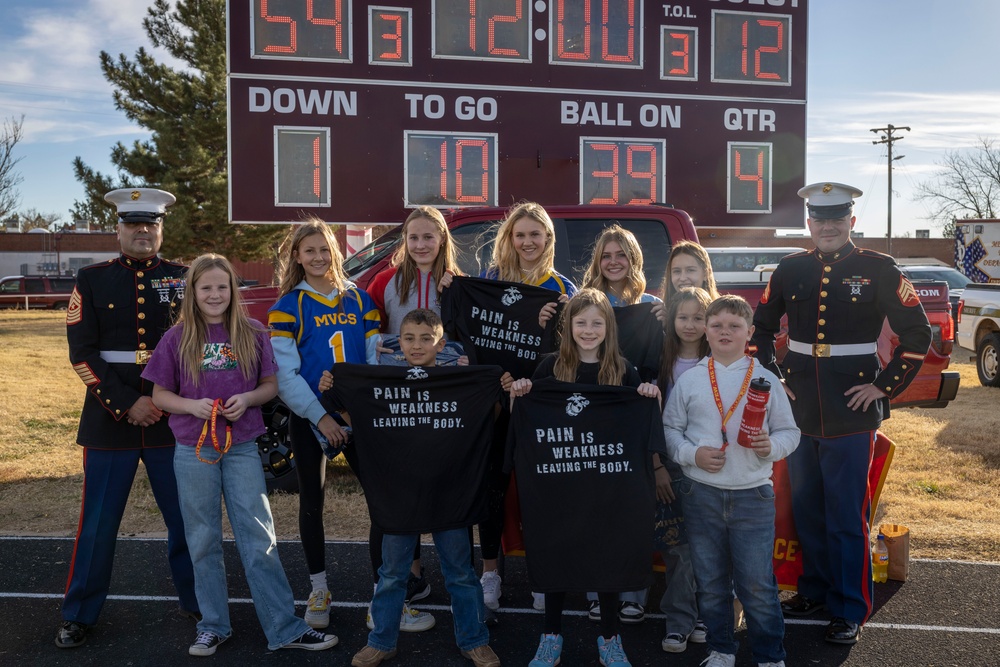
<point x="967" y="260"/>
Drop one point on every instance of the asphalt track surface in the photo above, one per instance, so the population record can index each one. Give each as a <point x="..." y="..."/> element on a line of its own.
<point x="948" y="613"/>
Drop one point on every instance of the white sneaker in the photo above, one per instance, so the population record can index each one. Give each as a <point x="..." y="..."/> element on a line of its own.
<point x="700" y="633"/>
<point x="318" y="609"/>
<point x="674" y="643"/>
<point x="780" y="663"/>
<point x="411" y="620"/>
<point x="490" y="582"/>
<point x="716" y="659"/>
<point x="538" y="601"/>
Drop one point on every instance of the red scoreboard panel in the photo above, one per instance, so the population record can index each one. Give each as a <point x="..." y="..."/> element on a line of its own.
<point x="353" y="110"/>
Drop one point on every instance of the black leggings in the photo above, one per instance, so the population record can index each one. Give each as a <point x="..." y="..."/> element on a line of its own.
<point x="554" y="603"/>
<point x="310" y="468"/>
<point x="491" y="529"/>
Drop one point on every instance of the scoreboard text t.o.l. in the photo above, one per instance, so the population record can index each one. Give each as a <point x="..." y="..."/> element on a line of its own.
<point x="354" y="110"/>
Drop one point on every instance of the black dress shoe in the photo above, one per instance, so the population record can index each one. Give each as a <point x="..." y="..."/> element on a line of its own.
<point x="71" y="634"/>
<point x="842" y="631"/>
<point x="800" y="605"/>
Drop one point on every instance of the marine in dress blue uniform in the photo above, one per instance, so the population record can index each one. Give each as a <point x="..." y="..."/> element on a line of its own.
<point x="117" y="314"/>
<point x="837" y="297"/>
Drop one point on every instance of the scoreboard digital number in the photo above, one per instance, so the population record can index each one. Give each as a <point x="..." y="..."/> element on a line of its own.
<point x="353" y="111"/>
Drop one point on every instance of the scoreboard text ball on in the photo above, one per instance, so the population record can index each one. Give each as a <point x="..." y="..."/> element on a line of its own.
<point x="353" y="110"/>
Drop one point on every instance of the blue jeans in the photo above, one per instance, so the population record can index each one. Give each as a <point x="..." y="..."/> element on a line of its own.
<point x="731" y="534"/>
<point x="238" y="478"/>
<point x="460" y="579"/>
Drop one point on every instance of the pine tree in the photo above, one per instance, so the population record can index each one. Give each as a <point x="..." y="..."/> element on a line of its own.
<point x="185" y="109"/>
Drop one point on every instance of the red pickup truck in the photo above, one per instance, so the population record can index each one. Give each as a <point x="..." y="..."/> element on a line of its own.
<point x="51" y="292"/>
<point x="657" y="229"/>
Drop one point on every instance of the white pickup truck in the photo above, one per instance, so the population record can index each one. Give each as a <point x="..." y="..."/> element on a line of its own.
<point x="979" y="329"/>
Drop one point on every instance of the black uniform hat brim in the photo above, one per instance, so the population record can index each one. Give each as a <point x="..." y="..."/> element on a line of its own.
<point x="831" y="212"/>
<point x="140" y="216"/>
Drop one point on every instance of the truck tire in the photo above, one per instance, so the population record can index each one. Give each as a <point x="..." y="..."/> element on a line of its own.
<point x="275" y="450"/>
<point x="62" y="305"/>
<point x="988" y="360"/>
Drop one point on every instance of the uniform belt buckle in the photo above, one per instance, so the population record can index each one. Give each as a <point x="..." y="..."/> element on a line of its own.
<point x="142" y="357"/>
<point x="821" y="350"/>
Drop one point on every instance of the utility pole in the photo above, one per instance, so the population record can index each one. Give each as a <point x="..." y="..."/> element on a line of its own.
<point x="888" y="138"/>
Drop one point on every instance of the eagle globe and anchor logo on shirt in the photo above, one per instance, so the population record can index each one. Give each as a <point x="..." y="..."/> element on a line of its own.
<point x="575" y="404"/>
<point x="511" y="295"/>
<point x="416" y="373"/>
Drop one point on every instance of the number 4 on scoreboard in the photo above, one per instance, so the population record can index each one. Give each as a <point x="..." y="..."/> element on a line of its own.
<point x="748" y="187"/>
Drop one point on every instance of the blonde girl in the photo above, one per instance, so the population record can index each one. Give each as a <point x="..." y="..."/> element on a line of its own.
<point x="319" y="319"/>
<point x="524" y="252"/>
<point x="616" y="268"/>
<point x="212" y="371"/>
<point x="589" y="354"/>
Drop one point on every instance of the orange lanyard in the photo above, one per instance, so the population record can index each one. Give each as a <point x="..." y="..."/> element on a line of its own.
<point x="718" y="397"/>
<point x="216" y="405"/>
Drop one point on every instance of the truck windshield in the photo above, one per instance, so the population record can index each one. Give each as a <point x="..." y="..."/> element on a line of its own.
<point x="373" y="253"/>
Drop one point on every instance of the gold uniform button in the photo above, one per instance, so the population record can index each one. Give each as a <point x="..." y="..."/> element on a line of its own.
<point x="822" y="309"/>
<point x="854" y="298"/>
<point x="140" y="286"/>
<point x="904" y="367"/>
<point x="107" y="401"/>
<point x="141" y="316"/>
<point x="139" y="274"/>
<point x="822" y="322"/>
<point x="821" y="336"/>
<point x="140" y="300"/>
<point x="141" y="331"/>
<point x="111" y="305"/>
<point x="895" y="377"/>
<point x="888" y="388"/>
<point x="861" y="374"/>
<point x="826" y="281"/>
<point x="142" y="346"/>
<point x="118" y="412"/>
<point x="98" y="392"/>
<point x="823" y="294"/>
<point x="173" y="305"/>
<point x="827" y="269"/>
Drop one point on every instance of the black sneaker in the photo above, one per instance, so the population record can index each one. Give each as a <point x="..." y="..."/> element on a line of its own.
<point x="311" y="640"/>
<point x="631" y="612"/>
<point x="205" y="644"/>
<point x="417" y="588"/>
<point x="594" y="613"/>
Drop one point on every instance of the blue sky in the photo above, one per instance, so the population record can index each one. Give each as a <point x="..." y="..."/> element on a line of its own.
<point x="927" y="64"/>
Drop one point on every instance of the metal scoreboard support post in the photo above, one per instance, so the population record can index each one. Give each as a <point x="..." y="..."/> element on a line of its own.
<point x="354" y="111"/>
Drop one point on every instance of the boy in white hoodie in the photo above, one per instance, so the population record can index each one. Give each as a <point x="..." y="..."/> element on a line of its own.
<point x="728" y="494"/>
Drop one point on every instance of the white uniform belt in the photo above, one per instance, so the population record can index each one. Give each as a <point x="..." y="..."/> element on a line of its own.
<point x="826" y="350"/>
<point x="121" y="357"/>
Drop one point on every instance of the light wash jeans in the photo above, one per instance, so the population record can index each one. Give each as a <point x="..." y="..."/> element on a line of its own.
<point x="731" y="533"/>
<point x="239" y="478"/>
<point x="460" y="579"/>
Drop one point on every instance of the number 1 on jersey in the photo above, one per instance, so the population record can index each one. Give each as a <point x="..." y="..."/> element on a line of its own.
<point x="337" y="345"/>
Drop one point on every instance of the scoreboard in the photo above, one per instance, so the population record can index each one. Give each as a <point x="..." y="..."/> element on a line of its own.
<point x="353" y="110"/>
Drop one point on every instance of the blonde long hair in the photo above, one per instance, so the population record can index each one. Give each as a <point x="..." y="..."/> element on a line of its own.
<point x="505" y="260"/>
<point x="243" y="335"/>
<point x="291" y="272"/>
<point x="635" y="281"/>
<point x="671" y="341"/>
<point x="407" y="272"/>
<point x="701" y="256"/>
<point x="611" y="370"/>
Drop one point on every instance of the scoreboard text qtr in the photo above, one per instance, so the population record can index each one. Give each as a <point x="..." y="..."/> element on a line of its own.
<point x="373" y="107"/>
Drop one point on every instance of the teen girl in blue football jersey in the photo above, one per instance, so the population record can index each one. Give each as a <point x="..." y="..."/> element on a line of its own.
<point x="321" y="318"/>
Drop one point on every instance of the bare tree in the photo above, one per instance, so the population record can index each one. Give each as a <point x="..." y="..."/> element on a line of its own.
<point x="10" y="135"/>
<point x="968" y="185"/>
<point x="34" y="219"/>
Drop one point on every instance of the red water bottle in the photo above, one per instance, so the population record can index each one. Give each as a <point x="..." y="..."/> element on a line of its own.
<point x="754" y="411"/>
